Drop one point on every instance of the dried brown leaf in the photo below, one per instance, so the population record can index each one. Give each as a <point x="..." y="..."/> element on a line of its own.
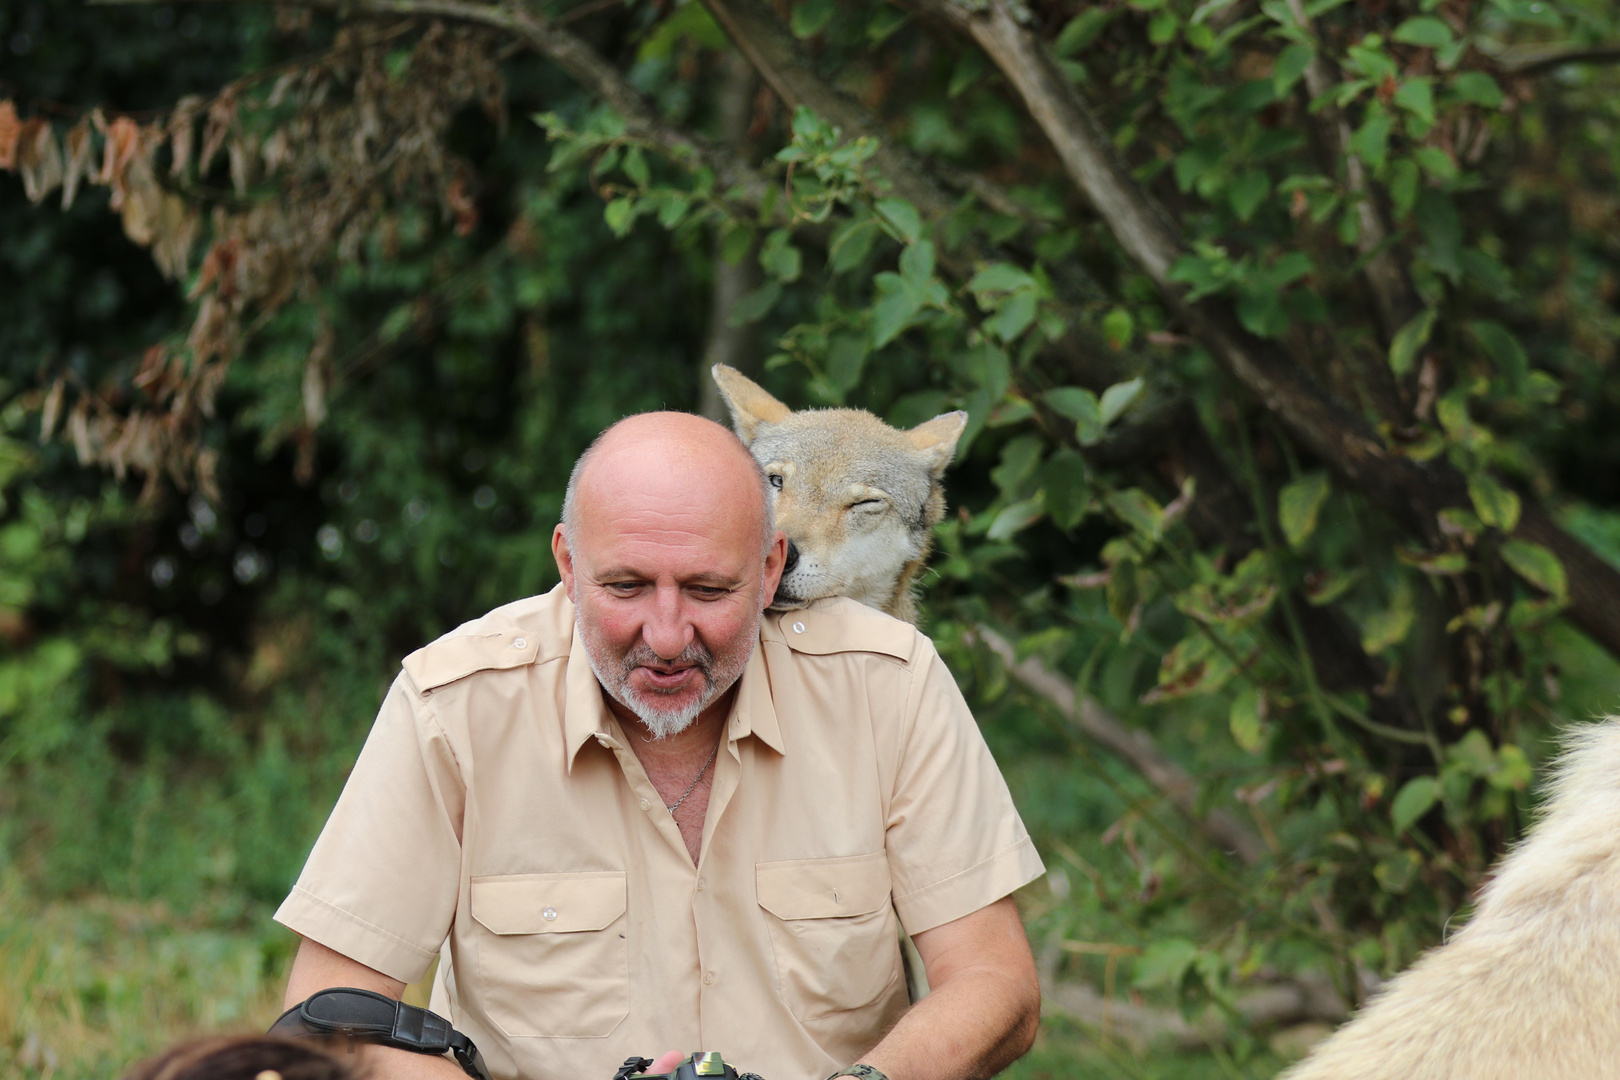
<point x="221" y="119"/>
<point x="39" y="160"/>
<point x="183" y="133"/>
<point x="10" y="129"/>
<point x="244" y="163"/>
<point x="51" y="410"/>
<point x="123" y="140"/>
<point x="78" y="427"/>
<point x="80" y="150"/>
<point x="177" y="229"/>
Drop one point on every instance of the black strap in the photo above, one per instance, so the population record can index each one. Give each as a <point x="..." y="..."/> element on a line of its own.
<point x="371" y="1017"/>
<point x="633" y="1066"/>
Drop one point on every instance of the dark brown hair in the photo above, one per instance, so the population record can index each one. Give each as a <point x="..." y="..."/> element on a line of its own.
<point x="243" y="1057"/>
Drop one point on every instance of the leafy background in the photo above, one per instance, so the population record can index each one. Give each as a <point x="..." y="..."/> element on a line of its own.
<point x="293" y="382"/>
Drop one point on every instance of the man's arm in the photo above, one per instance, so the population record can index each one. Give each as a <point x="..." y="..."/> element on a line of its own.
<point x="318" y="968"/>
<point x="983" y="1003"/>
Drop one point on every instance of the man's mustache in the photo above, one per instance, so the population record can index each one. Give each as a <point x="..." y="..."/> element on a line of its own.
<point x="694" y="655"/>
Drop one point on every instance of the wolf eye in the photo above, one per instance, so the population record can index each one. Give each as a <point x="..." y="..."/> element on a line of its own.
<point x="776" y="481"/>
<point x="867" y="504"/>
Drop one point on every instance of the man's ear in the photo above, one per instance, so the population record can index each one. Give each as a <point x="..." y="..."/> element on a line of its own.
<point x="936" y="439"/>
<point x="750" y="405"/>
<point x="565" y="559"/>
<point x="775" y="562"/>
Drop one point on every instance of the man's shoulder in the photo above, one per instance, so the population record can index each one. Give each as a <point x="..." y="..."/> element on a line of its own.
<point x="528" y="631"/>
<point x="838" y="624"/>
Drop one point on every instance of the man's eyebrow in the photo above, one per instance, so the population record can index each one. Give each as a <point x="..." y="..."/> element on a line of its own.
<point x="625" y="573"/>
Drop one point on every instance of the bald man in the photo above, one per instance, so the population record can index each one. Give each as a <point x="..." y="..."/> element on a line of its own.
<point x="639" y="813"/>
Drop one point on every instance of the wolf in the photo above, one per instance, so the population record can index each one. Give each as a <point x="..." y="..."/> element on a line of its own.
<point x="1530" y="988"/>
<point x="857" y="499"/>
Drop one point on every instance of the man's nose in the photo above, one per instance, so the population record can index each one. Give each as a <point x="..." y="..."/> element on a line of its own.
<point x="668" y="631"/>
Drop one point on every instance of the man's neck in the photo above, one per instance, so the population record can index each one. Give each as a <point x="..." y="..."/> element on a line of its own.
<point x="696" y="738"/>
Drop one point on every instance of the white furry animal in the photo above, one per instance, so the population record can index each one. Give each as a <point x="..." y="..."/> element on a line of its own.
<point x="1530" y="988"/>
<point x="857" y="499"/>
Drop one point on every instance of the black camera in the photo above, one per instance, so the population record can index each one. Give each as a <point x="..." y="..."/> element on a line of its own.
<point x="700" y="1066"/>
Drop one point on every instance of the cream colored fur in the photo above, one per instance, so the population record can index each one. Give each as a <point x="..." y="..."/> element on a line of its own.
<point x="1530" y="988"/>
<point x="858" y="498"/>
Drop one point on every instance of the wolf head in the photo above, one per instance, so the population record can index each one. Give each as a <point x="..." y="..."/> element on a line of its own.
<point x="857" y="499"/>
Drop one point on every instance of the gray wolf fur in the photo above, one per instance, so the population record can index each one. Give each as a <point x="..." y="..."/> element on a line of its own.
<point x="858" y="499"/>
<point x="1530" y="988"/>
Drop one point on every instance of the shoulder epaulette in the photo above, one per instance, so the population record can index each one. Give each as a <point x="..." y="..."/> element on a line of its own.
<point x="840" y="624"/>
<point x="526" y="632"/>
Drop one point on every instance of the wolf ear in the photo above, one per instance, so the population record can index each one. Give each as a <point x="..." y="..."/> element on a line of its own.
<point x="936" y="439"/>
<point x="750" y="405"/>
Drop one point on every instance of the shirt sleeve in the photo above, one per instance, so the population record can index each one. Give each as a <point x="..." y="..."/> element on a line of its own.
<point x="381" y="884"/>
<point x="954" y="839"/>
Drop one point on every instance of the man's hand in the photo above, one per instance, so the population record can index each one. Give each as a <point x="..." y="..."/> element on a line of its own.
<point x="983" y="1003"/>
<point x="666" y="1062"/>
<point x="318" y="968"/>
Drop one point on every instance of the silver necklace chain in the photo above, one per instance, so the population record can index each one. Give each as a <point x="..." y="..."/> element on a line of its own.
<point x="676" y="805"/>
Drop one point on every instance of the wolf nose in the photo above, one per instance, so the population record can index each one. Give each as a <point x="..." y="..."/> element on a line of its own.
<point x="792" y="558"/>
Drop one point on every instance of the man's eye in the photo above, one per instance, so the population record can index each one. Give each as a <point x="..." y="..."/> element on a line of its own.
<point x="709" y="592"/>
<point x="622" y="588"/>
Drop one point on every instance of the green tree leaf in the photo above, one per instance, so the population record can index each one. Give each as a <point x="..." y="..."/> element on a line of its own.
<point x="1383" y="630"/>
<point x="897" y="304"/>
<point x="1243" y="718"/>
<point x="1082" y="30"/>
<point x="1164" y="963"/>
<point x="1067" y="486"/>
<point x="901" y="216"/>
<point x="810" y="17"/>
<point x="1477" y="88"/>
<point x="917" y="263"/>
<point x="1409" y="342"/>
<point x="1416" y="798"/>
<point x="1117" y="398"/>
<point x="1497" y="506"/>
<point x="1425" y="30"/>
<point x="1298" y="505"/>
<point x="1139" y="510"/>
<point x="1014" y="519"/>
<point x="1290" y="66"/>
<point x="1247" y="192"/>
<point x="779" y="258"/>
<point x="1539" y="567"/>
<point x="1118" y="326"/>
<point x="1371" y="141"/>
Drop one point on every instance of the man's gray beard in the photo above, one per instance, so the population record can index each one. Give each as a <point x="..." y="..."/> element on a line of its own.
<point x="663" y="722"/>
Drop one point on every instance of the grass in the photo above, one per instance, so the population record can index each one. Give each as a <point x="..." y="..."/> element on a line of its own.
<point x="89" y="986"/>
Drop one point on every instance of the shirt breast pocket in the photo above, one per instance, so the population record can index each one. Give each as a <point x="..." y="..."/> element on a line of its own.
<point x="553" y="956"/>
<point x="833" y="931"/>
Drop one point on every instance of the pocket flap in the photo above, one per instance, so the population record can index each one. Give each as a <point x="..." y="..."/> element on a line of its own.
<point x="823" y="888"/>
<point x="548" y="903"/>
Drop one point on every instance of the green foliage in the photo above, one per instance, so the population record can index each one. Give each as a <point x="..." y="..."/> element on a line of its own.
<point x="183" y="681"/>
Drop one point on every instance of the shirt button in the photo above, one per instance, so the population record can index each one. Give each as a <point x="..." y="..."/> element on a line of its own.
<point x="798" y="628"/>
<point x="549" y="914"/>
<point x="702" y="884"/>
<point x="645" y="804"/>
<point x="520" y="643"/>
<point x="708" y="978"/>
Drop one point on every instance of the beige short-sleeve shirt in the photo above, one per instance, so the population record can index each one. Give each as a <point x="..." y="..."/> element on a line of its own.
<point x="496" y="818"/>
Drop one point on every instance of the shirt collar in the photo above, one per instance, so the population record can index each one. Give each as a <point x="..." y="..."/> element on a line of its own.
<point x="585" y="713"/>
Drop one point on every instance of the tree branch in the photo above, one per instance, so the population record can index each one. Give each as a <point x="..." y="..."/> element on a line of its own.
<point x="1541" y="61"/>
<point x="1134" y="747"/>
<point x="1412" y="492"/>
<point x="577" y="58"/>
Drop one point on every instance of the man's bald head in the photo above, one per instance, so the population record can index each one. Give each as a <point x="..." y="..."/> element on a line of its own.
<point x="678" y="452"/>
